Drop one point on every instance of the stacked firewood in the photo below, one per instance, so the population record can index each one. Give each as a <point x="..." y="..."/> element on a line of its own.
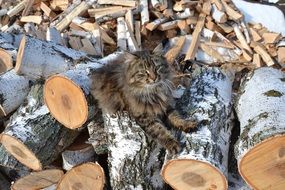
<point x="49" y="47"/>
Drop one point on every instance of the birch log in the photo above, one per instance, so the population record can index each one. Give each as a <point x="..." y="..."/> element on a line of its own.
<point x="38" y="180"/>
<point x="68" y="96"/>
<point x="9" y="161"/>
<point x="134" y="159"/>
<point x="41" y="59"/>
<point x="260" y="149"/>
<point x="33" y="136"/>
<point x="202" y="163"/>
<point x="78" y="153"/>
<point x="88" y="176"/>
<point x="13" y="91"/>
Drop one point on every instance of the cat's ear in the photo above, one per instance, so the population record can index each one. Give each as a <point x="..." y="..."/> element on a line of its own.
<point x="158" y="50"/>
<point x="129" y="57"/>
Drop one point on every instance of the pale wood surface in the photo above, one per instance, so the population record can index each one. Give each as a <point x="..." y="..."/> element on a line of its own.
<point x="88" y="176"/>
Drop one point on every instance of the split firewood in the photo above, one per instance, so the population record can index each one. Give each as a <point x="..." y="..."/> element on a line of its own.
<point x="28" y="7"/>
<point x="174" y="51"/>
<point x="31" y="124"/>
<point x="184" y="15"/>
<point x="60" y="89"/>
<point x="130" y="149"/>
<point x="196" y="37"/>
<point x="82" y="7"/>
<point x="160" y="5"/>
<point x="59" y="4"/>
<point x="129" y="18"/>
<point x="88" y="47"/>
<point x="129" y="3"/>
<point x="281" y="55"/>
<point x="226" y="28"/>
<point x="257" y="60"/>
<point x="203" y="160"/>
<point x="6" y="61"/>
<point x="138" y="32"/>
<point x="94" y="12"/>
<point x="245" y="32"/>
<point x="168" y="25"/>
<point x="246" y="55"/>
<point x="17" y="9"/>
<point x="34" y="19"/>
<point x="121" y="33"/>
<point x="91" y="27"/>
<point x="261" y="50"/>
<point x="78" y="153"/>
<point x="192" y="20"/>
<point x="38" y="180"/>
<point x="87" y="176"/>
<point x="48" y="12"/>
<point x="183" y="26"/>
<point x="262" y="132"/>
<point x="144" y="12"/>
<point x="242" y="39"/>
<point x="270" y="37"/>
<point x="170" y="33"/>
<point x="218" y="16"/>
<point x="206" y="7"/>
<point x="218" y="4"/>
<point x="13" y="91"/>
<point x="181" y="5"/>
<point x="154" y="24"/>
<point x="271" y="49"/>
<point x="75" y="43"/>
<point x="212" y="52"/>
<point x="110" y="14"/>
<point x="231" y="12"/>
<point x="131" y="40"/>
<point x="254" y="34"/>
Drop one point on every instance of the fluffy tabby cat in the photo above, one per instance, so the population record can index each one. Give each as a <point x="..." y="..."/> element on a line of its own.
<point x="142" y="86"/>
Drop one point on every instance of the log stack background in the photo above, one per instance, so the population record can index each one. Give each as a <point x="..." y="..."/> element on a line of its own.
<point x="55" y="137"/>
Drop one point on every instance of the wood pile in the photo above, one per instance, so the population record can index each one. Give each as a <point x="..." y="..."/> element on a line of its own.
<point x="55" y="137"/>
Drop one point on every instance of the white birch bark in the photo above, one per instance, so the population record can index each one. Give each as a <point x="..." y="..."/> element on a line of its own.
<point x="260" y="109"/>
<point x="13" y="91"/>
<point x="134" y="159"/>
<point x="206" y="149"/>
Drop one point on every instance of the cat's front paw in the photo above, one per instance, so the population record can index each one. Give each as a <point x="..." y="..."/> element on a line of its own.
<point x="188" y="125"/>
<point x="173" y="147"/>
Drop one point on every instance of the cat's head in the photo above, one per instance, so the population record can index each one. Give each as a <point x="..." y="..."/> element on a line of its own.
<point x="147" y="70"/>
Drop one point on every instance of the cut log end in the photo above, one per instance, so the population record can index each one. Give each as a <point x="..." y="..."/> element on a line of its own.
<point x="187" y="174"/>
<point x="38" y="180"/>
<point x="88" y="176"/>
<point x="68" y="105"/>
<point x="6" y="61"/>
<point x="20" y="55"/>
<point x="264" y="165"/>
<point x="20" y="152"/>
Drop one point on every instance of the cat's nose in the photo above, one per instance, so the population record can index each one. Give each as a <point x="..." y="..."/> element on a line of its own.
<point x="152" y="76"/>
